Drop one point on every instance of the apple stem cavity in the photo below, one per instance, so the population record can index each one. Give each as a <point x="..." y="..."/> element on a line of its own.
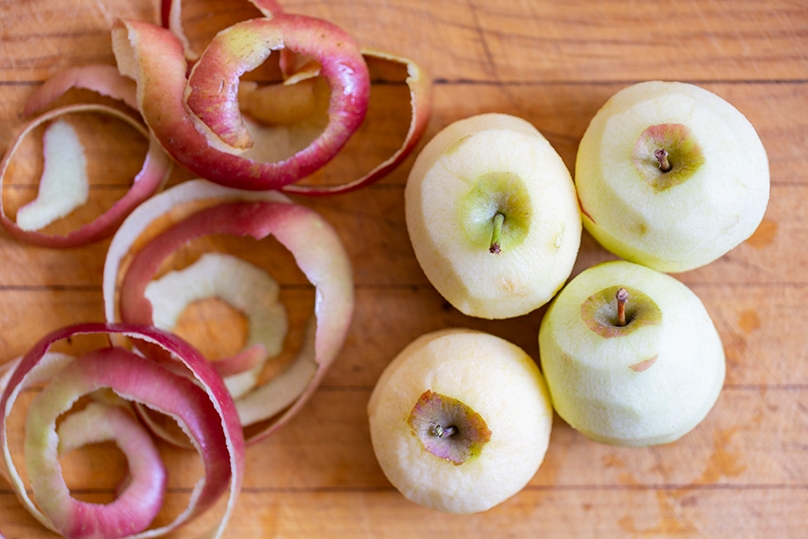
<point x="622" y="298"/>
<point x="662" y="156"/>
<point x="443" y="432"/>
<point x="499" y="219"/>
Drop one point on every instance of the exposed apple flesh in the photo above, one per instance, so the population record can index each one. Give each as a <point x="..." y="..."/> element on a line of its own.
<point x="645" y="381"/>
<point x="460" y="420"/>
<point x="492" y="216"/>
<point x="712" y="198"/>
<point x="618" y="310"/>
<point x="505" y="195"/>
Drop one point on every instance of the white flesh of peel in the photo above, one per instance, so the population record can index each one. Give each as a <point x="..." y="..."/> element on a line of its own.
<point x="51" y="364"/>
<point x="64" y="185"/>
<point x="280" y="392"/>
<point x="241" y="285"/>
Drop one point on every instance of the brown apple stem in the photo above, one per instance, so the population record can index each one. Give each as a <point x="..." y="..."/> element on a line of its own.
<point x="495" y="248"/>
<point x="662" y="157"/>
<point x="622" y="298"/>
<point x="444" y="432"/>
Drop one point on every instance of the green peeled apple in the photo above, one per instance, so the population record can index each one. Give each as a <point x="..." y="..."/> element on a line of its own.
<point x="671" y="176"/>
<point x="492" y="216"/>
<point x="630" y="355"/>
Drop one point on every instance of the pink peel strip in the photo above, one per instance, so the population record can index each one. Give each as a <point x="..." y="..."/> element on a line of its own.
<point x="101" y="79"/>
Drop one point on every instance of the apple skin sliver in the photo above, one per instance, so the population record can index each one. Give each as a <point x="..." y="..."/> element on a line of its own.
<point x="64" y="185"/>
<point x="420" y="85"/>
<point x="101" y="79"/>
<point x="282" y="390"/>
<point x="107" y="81"/>
<point x="241" y="285"/>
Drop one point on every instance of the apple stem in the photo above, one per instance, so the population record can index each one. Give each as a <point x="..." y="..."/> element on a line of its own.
<point x="444" y="432"/>
<point x="662" y="157"/>
<point x="622" y="298"/>
<point x="499" y="219"/>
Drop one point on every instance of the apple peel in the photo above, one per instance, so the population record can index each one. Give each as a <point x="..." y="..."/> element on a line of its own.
<point x="420" y="86"/>
<point x="101" y="79"/>
<point x="241" y="285"/>
<point x="138" y="503"/>
<point x="171" y="15"/>
<point x="311" y="240"/>
<point x="156" y="168"/>
<point x="153" y="57"/>
<point x="198" y="399"/>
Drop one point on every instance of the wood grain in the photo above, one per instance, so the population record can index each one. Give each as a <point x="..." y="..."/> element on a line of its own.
<point x="741" y="473"/>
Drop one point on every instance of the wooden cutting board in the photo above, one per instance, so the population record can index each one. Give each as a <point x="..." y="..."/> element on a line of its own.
<point x="742" y="473"/>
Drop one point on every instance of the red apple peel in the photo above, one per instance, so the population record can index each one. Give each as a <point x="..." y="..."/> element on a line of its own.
<point x="311" y="240"/>
<point x="197" y="398"/>
<point x="420" y="86"/>
<point x="101" y="79"/>
<point x="154" y="57"/>
<point x="156" y="167"/>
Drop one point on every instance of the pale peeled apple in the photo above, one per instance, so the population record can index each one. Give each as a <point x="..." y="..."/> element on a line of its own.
<point x="643" y="373"/>
<point x="492" y="216"/>
<point x="460" y="420"/>
<point x="671" y="176"/>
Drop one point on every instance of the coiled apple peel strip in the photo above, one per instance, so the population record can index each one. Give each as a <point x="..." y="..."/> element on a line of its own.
<point x="64" y="183"/>
<point x="314" y="245"/>
<point x="196" y="399"/>
<point x="198" y="119"/>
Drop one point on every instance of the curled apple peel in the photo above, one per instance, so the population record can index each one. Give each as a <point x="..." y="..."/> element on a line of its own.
<point x="171" y="16"/>
<point x="101" y="79"/>
<point x="157" y="166"/>
<point x="311" y="240"/>
<point x="241" y="285"/>
<point x="139" y="502"/>
<point x="205" y="135"/>
<point x="196" y="399"/>
<point x="198" y="119"/>
<point x="420" y="87"/>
